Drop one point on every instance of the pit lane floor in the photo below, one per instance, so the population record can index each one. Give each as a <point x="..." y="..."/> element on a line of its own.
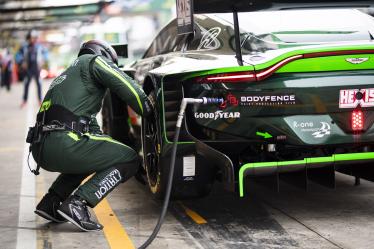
<point x="293" y="218"/>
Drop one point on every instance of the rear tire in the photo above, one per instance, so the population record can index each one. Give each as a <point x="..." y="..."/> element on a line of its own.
<point x="151" y="144"/>
<point x="157" y="166"/>
<point x="115" y="120"/>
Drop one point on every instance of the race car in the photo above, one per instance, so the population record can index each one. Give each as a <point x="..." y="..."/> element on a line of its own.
<point x="298" y="90"/>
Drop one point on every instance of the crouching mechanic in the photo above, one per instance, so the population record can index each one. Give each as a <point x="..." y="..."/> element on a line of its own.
<point x="71" y="141"/>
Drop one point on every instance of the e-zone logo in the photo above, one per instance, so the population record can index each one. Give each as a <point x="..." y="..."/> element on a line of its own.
<point x="351" y="98"/>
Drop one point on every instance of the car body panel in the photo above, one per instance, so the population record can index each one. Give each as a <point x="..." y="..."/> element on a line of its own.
<point x="211" y="63"/>
<point x="300" y="99"/>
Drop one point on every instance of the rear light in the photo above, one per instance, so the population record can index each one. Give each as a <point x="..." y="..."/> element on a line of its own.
<point x="250" y="76"/>
<point x="228" y="78"/>
<point x="357" y="120"/>
<point x="271" y="70"/>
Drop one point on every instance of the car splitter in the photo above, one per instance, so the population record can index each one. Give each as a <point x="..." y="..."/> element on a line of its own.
<point x="355" y="164"/>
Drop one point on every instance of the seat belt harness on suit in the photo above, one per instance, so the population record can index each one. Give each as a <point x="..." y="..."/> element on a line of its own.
<point x="56" y="118"/>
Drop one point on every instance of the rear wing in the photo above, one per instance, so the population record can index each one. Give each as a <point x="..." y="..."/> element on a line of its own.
<point x="224" y="6"/>
<point x="187" y="8"/>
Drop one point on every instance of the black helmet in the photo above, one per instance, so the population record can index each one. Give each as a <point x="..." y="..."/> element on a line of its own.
<point x="99" y="48"/>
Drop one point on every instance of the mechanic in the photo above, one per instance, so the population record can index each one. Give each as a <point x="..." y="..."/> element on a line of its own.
<point x="67" y="138"/>
<point x="31" y="57"/>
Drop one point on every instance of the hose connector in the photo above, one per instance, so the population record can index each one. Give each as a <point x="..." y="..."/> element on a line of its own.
<point x="212" y="100"/>
<point x="203" y="100"/>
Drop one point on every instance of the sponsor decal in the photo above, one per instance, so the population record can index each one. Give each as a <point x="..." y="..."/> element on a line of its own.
<point x="268" y="100"/>
<point x="357" y="60"/>
<point x="259" y="100"/>
<point x="189" y="166"/>
<point x="209" y="39"/>
<point x="184" y="16"/>
<point x="231" y="100"/>
<point x="217" y="115"/>
<point x="57" y="81"/>
<point x="323" y="131"/>
<point x="351" y="98"/>
<point x="108" y="183"/>
<point x="281" y="137"/>
<point x="319" y="131"/>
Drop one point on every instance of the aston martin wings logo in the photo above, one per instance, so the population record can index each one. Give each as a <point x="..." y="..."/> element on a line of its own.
<point x="357" y="60"/>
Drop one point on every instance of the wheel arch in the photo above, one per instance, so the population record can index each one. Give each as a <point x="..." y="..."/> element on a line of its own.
<point x="150" y="83"/>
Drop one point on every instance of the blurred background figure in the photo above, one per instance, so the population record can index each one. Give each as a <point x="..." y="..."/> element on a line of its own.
<point x="31" y="57"/>
<point x="57" y="35"/>
<point x="6" y="69"/>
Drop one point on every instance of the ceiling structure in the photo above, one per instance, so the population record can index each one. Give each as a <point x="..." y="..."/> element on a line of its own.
<point x="19" y="15"/>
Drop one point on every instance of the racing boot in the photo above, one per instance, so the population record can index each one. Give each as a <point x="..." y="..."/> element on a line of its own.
<point x="75" y="210"/>
<point x="47" y="208"/>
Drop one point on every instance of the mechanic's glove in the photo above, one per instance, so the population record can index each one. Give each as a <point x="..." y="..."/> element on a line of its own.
<point x="94" y="127"/>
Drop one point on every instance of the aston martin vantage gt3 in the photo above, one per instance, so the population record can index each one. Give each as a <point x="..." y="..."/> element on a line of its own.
<point x="298" y="101"/>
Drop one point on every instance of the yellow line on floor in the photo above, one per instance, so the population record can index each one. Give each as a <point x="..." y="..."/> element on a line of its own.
<point x="42" y="235"/>
<point x="113" y="230"/>
<point x="193" y="215"/>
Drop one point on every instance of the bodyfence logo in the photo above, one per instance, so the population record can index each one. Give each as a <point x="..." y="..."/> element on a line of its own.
<point x="217" y="115"/>
<point x="108" y="183"/>
<point x="268" y="100"/>
<point x="317" y="132"/>
<point x="351" y="98"/>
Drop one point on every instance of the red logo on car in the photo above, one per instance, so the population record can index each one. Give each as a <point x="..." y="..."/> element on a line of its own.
<point x="351" y="98"/>
<point x="231" y="100"/>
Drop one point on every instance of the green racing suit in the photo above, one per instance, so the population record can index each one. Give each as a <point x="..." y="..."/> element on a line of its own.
<point x="81" y="89"/>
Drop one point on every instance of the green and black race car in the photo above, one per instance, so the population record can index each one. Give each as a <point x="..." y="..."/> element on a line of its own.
<point x="298" y="89"/>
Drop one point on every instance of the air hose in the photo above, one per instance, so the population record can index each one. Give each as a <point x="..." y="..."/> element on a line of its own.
<point x="185" y="102"/>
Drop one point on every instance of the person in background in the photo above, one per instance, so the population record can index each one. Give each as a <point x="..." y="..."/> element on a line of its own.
<point x="6" y="69"/>
<point x="32" y="57"/>
<point x="1" y="62"/>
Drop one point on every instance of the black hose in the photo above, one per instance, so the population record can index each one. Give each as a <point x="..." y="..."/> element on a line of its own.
<point x="183" y="106"/>
<point x="167" y="195"/>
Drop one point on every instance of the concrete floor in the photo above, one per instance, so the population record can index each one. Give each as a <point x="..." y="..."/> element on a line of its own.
<point x="293" y="218"/>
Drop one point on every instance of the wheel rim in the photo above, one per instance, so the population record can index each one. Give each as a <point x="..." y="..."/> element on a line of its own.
<point x="151" y="150"/>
